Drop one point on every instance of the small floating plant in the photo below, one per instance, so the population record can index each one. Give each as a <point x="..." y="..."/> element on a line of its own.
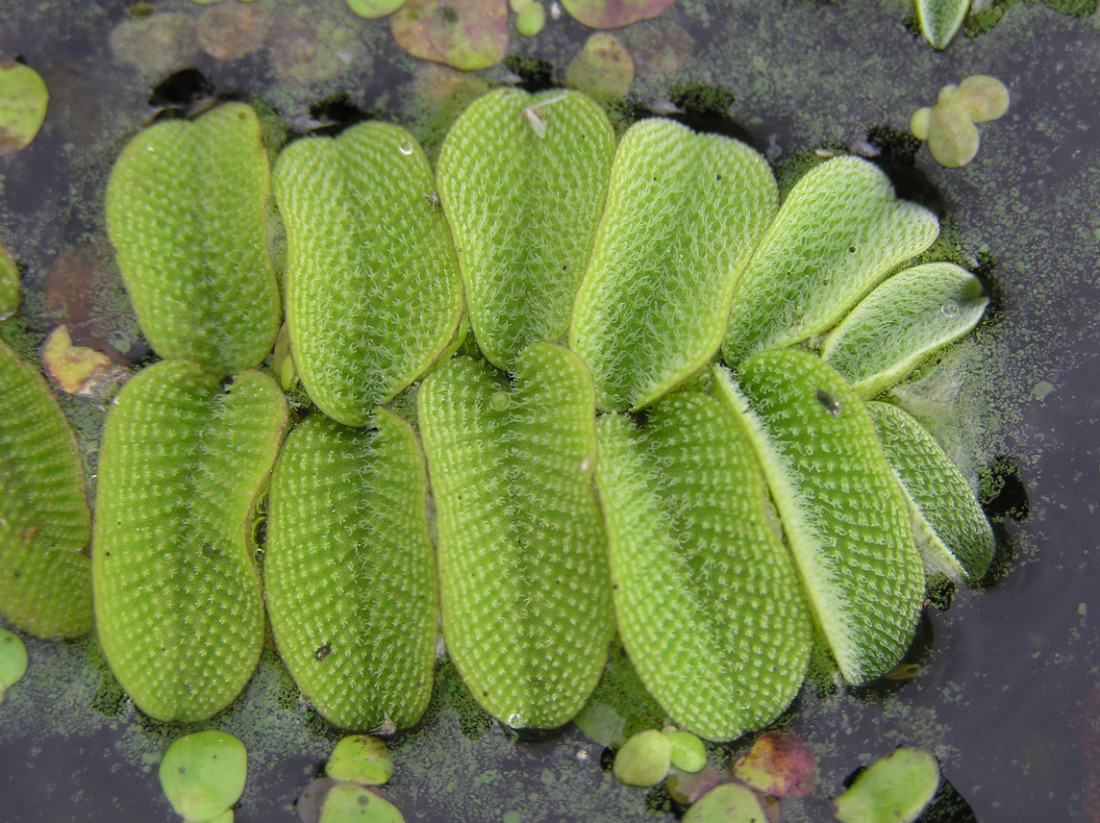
<point x="564" y="388"/>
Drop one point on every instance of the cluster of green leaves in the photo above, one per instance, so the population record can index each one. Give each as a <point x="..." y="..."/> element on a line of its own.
<point x="586" y="463"/>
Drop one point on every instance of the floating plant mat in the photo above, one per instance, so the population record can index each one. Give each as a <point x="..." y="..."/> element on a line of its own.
<point x="501" y="777"/>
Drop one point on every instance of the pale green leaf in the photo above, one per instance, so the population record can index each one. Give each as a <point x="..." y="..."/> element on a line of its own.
<point x="524" y="588"/>
<point x="706" y="598"/>
<point x="953" y="532"/>
<point x="350" y="571"/>
<point x="838" y="234"/>
<point x="177" y="595"/>
<point x="187" y="211"/>
<point x="901" y="323"/>
<point x="203" y="774"/>
<point x="844" y="516"/>
<point x="897" y="788"/>
<point x="373" y="294"/>
<point x="941" y="19"/>
<point x="45" y="528"/>
<point x="9" y="285"/>
<point x="524" y="210"/>
<point x="684" y="212"/>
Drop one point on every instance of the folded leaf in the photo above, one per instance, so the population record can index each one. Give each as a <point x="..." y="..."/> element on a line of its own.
<point x="838" y="234"/>
<point x="350" y="570"/>
<point x="845" y="519"/>
<point x="524" y="584"/>
<point x="684" y="212"/>
<point x="901" y="323"/>
<point x="187" y="210"/>
<point x="953" y="532"/>
<point x="941" y="19"/>
<point x="177" y="596"/>
<point x="523" y="207"/>
<point x="45" y="528"/>
<point x="706" y="598"/>
<point x="373" y="294"/>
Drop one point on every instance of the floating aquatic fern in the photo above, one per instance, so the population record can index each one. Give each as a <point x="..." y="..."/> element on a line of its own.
<point x="723" y="533"/>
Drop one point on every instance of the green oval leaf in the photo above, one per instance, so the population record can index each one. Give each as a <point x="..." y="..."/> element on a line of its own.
<point x="896" y="788"/>
<point x="13" y="660"/>
<point x="728" y="803"/>
<point x="721" y="656"/>
<point x="683" y="214"/>
<point x="844" y="517"/>
<point x="203" y="774"/>
<point x="610" y="14"/>
<point x="350" y="573"/>
<point x="463" y="34"/>
<point x="838" y="234"/>
<point x="360" y="758"/>
<point x="523" y="574"/>
<point x="187" y="210"/>
<point x="953" y="533"/>
<point x="644" y="759"/>
<point x="373" y="294"/>
<point x="941" y="19"/>
<point x="351" y="803"/>
<point x="902" y="323"/>
<point x="9" y="285"/>
<point x="45" y="527"/>
<point x="177" y="595"/>
<point x="23" y="101"/>
<point x="523" y="208"/>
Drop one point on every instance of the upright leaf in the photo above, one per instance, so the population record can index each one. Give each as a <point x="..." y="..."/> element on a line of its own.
<point x="187" y="211"/>
<point x="373" y="294"/>
<point x="524" y="586"/>
<point x="844" y="516"/>
<point x="45" y="528"/>
<point x="953" y="532"/>
<point x="901" y="323"/>
<point x="177" y="596"/>
<point x="706" y="598"/>
<point x="523" y="207"/>
<point x="941" y="19"/>
<point x="350" y="570"/>
<point x="684" y="212"/>
<point x="838" y="234"/>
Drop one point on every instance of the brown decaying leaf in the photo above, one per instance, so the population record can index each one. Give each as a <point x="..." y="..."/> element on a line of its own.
<point x="778" y="764"/>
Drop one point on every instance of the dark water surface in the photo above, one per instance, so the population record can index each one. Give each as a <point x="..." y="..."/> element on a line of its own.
<point x="1008" y="696"/>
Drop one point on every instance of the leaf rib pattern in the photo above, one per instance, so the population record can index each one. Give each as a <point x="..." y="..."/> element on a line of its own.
<point x="524" y="591"/>
<point x="524" y="210"/>
<point x="706" y="598"/>
<point x="177" y="595"/>
<point x="45" y="527"/>
<point x="350" y="570"/>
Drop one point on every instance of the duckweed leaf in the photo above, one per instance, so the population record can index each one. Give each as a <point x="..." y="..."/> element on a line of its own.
<point x="896" y="788"/>
<point x="360" y="758"/>
<point x="9" y="285"/>
<point x="177" y="596"/>
<point x="603" y="68"/>
<point x="45" y="573"/>
<point x="13" y="661"/>
<point x="374" y="8"/>
<point x="985" y="98"/>
<point x="901" y="323"/>
<point x="351" y="803"/>
<point x="23" y="101"/>
<point x="941" y="19"/>
<point x="953" y="139"/>
<point x="610" y="14"/>
<point x="778" y="764"/>
<point x="705" y="595"/>
<point x="463" y="34"/>
<point x="728" y="803"/>
<point x="684" y="212"/>
<point x="531" y="19"/>
<point x="523" y="210"/>
<point x="844" y="517"/>
<point x="644" y="759"/>
<point x="688" y="753"/>
<point x="953" y="532"/>
<point x="373" y="294"/>
<point x="522" y="554"/>
<point x="350" y="574"/>
<point x="838" y="234"/>
<point x="187" y="210"/>
<point x="203" y="775"/>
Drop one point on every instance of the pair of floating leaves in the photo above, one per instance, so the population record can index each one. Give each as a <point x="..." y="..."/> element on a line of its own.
<point x="187" y="212"/>
<point x="373" y="294"/>
<point x="523" y="574"/>
<point x="350" y="571"/>
<point x="846" y="522"/>
<point x="839" y="233"/>
<point x="45" y="527"/>
<point x="523" y="207"/>
<point x="177" y="595"/>
<point x="707" y="601"/>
